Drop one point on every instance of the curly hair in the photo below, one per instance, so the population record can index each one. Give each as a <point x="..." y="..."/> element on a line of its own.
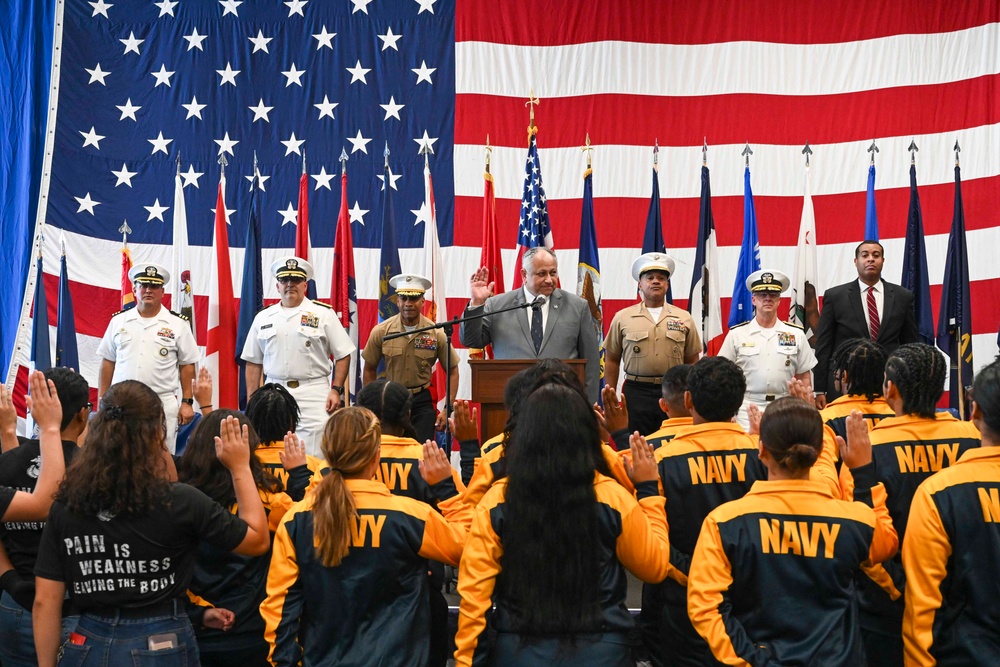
<point x="864" y="362"/>
<point x="122" y="466"/>
<point x="791" y="431"/>
<point x="351" y="442"/>
<point x="200" y="467"/>
<point x="391" y="402"/>
<point x="717" y="386"/>
<point x="273" y="412"/>
<point x="918" y="371"/>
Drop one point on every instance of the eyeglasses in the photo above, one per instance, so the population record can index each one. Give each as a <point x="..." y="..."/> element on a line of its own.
<point x="410" y="297"/>
<point x="292" y="280"/>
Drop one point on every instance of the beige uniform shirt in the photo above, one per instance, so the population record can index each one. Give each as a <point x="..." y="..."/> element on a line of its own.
<point x="296" y="343"/>
<point x="408" y="360"/>
<point x="647" y="348"/>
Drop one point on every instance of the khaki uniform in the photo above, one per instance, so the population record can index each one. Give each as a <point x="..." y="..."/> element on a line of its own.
<point x="769" y="358"/>
<point x="647" y="350"/>
<point x="408" y="360"/>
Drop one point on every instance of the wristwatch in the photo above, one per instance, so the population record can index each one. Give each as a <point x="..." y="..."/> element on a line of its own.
<point x="189" y="401"/>
<point x="338" y="388"/>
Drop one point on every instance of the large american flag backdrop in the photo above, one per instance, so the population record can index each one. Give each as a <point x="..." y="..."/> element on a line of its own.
<point x="137" y="83"/>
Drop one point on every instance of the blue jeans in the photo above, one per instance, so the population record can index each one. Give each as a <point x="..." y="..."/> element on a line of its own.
<point x="17" y="639"/>
<point x="117" y="641"/>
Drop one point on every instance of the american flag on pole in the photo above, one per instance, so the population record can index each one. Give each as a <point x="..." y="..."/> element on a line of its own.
<point x="533" y="230"/>
<point x="135" y="82"/>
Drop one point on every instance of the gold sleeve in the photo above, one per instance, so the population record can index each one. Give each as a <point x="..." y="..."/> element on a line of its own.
<point x="926" y="550"/>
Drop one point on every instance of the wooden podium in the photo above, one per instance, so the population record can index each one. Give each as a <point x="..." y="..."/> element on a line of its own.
<point x="489" y="378"/>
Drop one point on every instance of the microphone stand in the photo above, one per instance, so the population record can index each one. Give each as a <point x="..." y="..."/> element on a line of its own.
<point x="449" y="329"/>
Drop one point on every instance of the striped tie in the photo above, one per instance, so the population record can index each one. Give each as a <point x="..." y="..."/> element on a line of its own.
<point x="873" y="314"/>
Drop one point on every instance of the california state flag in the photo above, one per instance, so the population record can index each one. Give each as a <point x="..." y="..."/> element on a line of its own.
<point x="220" y="353"/>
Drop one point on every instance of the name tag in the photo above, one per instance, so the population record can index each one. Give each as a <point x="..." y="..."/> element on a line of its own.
<point x="266" y="326"/>
<point x="748" y="344"/>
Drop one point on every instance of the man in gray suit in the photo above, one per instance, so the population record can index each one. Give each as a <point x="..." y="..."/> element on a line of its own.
<point x="559" y="326"/>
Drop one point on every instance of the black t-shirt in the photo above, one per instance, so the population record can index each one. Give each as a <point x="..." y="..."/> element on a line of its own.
<point x="133" y="561"/>
<point x="6" y="498"/>
<point x="19" y="469"/>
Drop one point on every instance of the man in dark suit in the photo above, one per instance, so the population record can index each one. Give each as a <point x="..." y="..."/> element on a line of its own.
<point x="867" y="307"/>
<point x="560" y="327"/>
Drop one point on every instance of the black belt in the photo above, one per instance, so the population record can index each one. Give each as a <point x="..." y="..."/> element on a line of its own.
<point x="171" y="607"/>
<point x="416" y="390"/>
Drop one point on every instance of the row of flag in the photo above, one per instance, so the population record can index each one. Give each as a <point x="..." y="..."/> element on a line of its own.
<point x="228" y="328"/>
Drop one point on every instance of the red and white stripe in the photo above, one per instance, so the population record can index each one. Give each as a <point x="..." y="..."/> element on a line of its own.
<point x="834" y="74"/>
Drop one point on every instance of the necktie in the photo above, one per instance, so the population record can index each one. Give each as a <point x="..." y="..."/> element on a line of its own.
<point x="536" y="327"/>
<point x="873" y="314"/>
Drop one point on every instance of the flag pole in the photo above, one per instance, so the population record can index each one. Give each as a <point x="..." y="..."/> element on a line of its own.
<point x="960" y="385"/>
<point x="913" y="151"/>
<point x="531" y="104"/>
<point x="489" y="153"/>
<point x="807" y="152"/>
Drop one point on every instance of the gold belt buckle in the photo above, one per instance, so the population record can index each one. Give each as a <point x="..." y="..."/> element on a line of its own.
<point x="293" y="384"/>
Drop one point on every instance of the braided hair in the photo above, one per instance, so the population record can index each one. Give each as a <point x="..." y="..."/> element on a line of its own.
<point x="273" y="412"/>
<point x="918" y="371"/>
<point x="864" y="362"/>
<point x="391" y="403"/>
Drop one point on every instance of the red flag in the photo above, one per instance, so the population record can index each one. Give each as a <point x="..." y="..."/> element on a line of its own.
<point x="128" y="298"/>
<point x="343" y="292"/>
<point x="302" y="219"/>
<point x="220" y="353"/>
<point x="490" y="257"/>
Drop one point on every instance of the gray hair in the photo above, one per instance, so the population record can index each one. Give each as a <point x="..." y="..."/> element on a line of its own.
<point x="529" y="257"/>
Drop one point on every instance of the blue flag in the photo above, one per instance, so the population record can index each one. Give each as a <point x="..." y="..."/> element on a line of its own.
<point x="67" y="354"/>
<point x="741" y="307"/>
<point x="915" y="277"/>
<point x="871" y="215"/>
<point x="954" y="334"/>
<point x="652" y="240"/>
<point x="252" y="291"/>
<point x="41" y="353"/>
<point x="389" y="253"/>
<point x="588" y="271"/>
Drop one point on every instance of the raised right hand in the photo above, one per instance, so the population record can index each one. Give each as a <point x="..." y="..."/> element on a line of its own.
<point x="232" y="445"/>
<point x="479" y="286"/>
<point x="43" y="402"/>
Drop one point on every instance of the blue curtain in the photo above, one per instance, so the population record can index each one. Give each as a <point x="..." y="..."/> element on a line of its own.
<point x="25" y="61"/>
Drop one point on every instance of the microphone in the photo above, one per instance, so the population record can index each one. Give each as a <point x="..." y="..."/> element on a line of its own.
<point x="537" y="303"/>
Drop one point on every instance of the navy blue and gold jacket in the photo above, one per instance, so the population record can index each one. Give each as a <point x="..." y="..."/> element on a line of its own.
<point x="371" y="609"/>
<point x="772" y="577"/>
<point x="906" y="450"/>
<point x="633" y="535"/>
<point x="950" y="555"/>
<point x="399" y="470"/>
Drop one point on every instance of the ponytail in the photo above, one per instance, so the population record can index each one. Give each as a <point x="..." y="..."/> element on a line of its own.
<point x="350" y="443"/>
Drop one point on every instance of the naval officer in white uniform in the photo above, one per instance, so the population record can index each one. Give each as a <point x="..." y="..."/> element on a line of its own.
<point x="153" y="345"/>
<point x="768" y="351"/>
<point x="292" y="342"/>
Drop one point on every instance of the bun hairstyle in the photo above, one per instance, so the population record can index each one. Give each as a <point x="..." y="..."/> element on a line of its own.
<point x="791" y="431"/>
<point x="391" y="402"/>
<point x="351" y="442"/>
<point x="986" y="394"/>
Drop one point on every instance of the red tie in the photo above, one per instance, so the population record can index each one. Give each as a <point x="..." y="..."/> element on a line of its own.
<point x="873" y="313"/>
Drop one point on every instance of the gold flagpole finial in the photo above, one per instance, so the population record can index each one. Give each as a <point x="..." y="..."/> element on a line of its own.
<point x="588" y="150"/>
<point x="531" y="104"/>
